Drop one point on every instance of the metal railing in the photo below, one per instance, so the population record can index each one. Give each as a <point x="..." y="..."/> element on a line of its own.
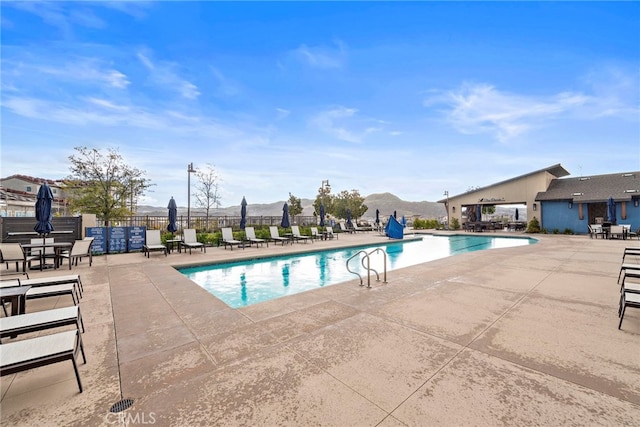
<point x="367" y="267"/>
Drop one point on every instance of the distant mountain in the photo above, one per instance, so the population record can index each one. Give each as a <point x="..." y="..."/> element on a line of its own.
<point x="385" y="202"/>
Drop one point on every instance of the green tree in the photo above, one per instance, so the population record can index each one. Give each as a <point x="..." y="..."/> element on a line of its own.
<point x="352" y="201"/>
<point x="295" y="206"/>
<point x="324" y="197"/>
<point x="103" y="184"/>
<point x="207" y="190"/>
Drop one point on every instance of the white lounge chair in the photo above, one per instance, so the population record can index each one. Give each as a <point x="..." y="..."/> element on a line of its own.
<point x="275" y="236"/>
<point x="330" y="233"/>
<point x="41" y="320"/>
<point x="250" y="232"/>
<point x="55" y="280"/>
<point x="228" y="240"/>
<point x="190" y="240"/>
<point x="41" y="351"/>
<point x="315" y="234"/>
<point x="153" y="242"/>
<point x="295" y="231"/>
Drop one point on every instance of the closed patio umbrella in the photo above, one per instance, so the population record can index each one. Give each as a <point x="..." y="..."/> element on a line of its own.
<point x="478" y="213"/>
<point x="377" y="216"/>
<point x="285" y="216"/>
<point x="173" y="216"/>
<point x="611" y="210"/>
<point x="349" y="223"/>
<point x="43" y="210"/>
<point x="243" y="213"/>
<point x="322" y="213"/>
<point x="517" y="214"/>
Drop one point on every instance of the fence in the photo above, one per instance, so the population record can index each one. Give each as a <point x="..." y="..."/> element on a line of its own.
<point x="20" y="229"/>
<point x="204" y="224"/>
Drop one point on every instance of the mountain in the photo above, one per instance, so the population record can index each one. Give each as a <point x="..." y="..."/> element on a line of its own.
<point x="385" y="202"/>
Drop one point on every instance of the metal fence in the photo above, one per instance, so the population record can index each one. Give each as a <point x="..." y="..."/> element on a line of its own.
<point x="204" y="224"/>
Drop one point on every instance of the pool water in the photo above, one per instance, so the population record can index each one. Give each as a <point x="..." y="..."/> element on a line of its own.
<point x="244" y="283"/>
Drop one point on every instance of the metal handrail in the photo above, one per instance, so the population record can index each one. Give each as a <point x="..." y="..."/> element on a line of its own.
<point x="367" y="257"/>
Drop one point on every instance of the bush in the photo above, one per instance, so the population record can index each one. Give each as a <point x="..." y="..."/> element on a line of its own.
<point x="533" y="226"/>
<point x="455" y="224"/>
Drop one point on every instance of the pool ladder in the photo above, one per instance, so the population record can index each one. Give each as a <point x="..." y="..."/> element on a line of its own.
<point x="367" y="266"/>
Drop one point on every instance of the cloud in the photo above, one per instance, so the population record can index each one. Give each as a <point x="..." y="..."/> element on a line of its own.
<point x="322" y="56"/>
<point x="164" y="75"/>
<point x="282" y="113"/>
<point x="481" y="108"/>
<point x="344" y="124"/>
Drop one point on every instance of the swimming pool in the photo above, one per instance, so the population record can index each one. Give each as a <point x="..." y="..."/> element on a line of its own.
<point x="244" y="283"/>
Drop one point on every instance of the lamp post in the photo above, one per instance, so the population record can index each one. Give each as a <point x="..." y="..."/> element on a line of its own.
<point x="446" y="193"/>
<point x="325" y="184"/>
<point x="190" y="170"/>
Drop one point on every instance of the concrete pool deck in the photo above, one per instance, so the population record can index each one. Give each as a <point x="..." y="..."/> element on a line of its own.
<point x="516" y="336"/>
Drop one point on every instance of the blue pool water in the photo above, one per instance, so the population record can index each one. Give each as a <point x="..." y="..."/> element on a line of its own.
<point x="240" y="284"/>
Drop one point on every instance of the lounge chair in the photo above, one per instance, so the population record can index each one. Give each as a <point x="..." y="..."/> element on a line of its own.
<point x="41" y="351"/>
<point x="275" y="236"/>
<point x="596" y="230"/>
<point x="190" y="240"/>
<point x="330" y="233"/>
<point x="629" y="299"/>
<point x="295" y="231"/>
<point x="228" y="240"/>
<point x="13" y="252"/>
<point x="54" y="291"/>
<point x="41" y="320"/>
<point x="315" y="234"/>
<point x="153" y="242"/>
<point x="80" y="248"/>
<point x="344" y="228"/>
<point x="626" y="267"/>
<point x="631" y="252"/>
<point x="250" y="232"/>
<point x="55" y="280"/>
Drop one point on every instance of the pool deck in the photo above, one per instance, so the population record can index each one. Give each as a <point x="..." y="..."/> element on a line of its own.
<point x="518" y="336"/>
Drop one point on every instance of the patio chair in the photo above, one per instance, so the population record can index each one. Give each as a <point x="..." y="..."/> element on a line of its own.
<point x="629" y="299"/>
<point x="330" y="233"/>
<point x="152" y="242"/>
<point x="617" y="232"/>
<point x="190" y="240"/>
<point x="250" y="232"/>
<point x="44" y="253"/>
<point x="344" y="228"/>
<point x="297" y="236"/>
<point x="54" y="291"/>
<point x="80" y="248"/>
<point x="275" y="236"/>
<point x="41" y="320"/>
<point x="41" y="351"/>
<point x="596" y="230"/>
<point x="315" y="234"/>
<point x="55" y="280"/>
<point x="13" y="252"/>
<point x="228" y="240"/>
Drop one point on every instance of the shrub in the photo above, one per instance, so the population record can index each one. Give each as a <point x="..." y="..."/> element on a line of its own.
<point x="533" y="226"/>
<point x="455" y="224"/>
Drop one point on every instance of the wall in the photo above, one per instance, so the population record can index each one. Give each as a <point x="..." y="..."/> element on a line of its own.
<point x="558" y="215"/>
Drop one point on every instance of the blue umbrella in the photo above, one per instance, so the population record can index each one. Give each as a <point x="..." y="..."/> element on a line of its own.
<point x="517" y="214"/>
<point x="378" y="216"/>
<point x="478" y="213"/>
<point x="349" y="223"/>
<point x="322" y="215"/>
<point x="403" y="221"/>
<point x="243" y="213"/>
<point x="285" y="216"/>
<point x="611" y="210"/>
<point x="173" y="216"/>
<point x="43" y="210"/>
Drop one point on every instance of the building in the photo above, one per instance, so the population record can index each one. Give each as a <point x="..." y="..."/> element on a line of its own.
<point x="18" y="196"/>
<point x="559" y="203"/>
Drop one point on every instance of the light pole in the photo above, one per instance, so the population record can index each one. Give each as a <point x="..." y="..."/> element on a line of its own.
<point x="190" y="170"/>
<point x="446" y="193"/>
<point x="325" y="184"/>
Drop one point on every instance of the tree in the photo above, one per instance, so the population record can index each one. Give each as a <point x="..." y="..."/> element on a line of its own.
<point x="102" y="184"/>
<point x="295" y="206"/>
<point x="208" y="189"/>
<point x="324" y="197"/>
<point x="348" y="200"/>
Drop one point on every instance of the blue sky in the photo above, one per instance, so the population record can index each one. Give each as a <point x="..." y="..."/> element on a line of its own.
<point x="410" y="98"/>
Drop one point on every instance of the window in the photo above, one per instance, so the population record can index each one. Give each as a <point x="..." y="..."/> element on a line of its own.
<point x="28" y="189"/>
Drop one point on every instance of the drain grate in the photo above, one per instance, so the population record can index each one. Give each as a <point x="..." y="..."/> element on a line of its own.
<point x="121" y="405"/>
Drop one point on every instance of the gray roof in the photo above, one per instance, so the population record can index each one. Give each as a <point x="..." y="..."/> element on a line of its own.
<point x="621" y="186"/>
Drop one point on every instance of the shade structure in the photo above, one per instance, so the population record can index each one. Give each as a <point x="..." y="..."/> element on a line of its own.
<point x="378" y="216"/>
<point x="322" y="213"/>
<point x="517" y="214"/>
<point x="285" y="217"/>
<point x="394" y="229"/>
<point x="173" y="216"/>
<point x="349" y="223"/>
<point x="478" y="213"/>
<point x="611" y="210"/>
<point x="43" y="210"/>
<point x="243" y="213"/>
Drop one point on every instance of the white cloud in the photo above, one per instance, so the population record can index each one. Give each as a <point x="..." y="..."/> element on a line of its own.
<point x="163" y="74"/>
<point x="322" y="56"/>
<point x="282" y="113"/>
<point x="345" y="124"/>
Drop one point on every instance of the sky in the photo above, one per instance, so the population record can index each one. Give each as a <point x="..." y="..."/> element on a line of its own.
<point x="414" y="98"/>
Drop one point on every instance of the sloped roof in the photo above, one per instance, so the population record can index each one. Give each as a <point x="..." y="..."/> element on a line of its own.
<point x="32" y="179"/>
<point x="597" y="188"/>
